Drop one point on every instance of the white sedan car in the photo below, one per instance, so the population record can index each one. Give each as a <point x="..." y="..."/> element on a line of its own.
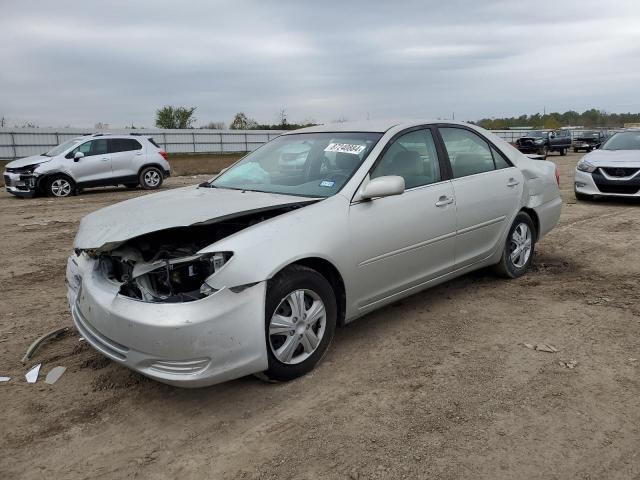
<point x="250" y="272"/>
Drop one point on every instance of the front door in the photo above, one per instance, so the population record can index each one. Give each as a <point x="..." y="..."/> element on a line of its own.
<point x="402" y="241"/>
<point x="95" y="167"/>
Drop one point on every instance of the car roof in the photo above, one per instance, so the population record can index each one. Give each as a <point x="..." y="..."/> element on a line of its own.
<point x="112" y="135"/>
<point x="374" y="126"/>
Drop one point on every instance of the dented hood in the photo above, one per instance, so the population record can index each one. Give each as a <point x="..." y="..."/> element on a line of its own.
<point x="181" y="207"/>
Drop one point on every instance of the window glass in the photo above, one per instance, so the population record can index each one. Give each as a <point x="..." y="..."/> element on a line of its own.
<point x="303" y="164"/>
<point x="468" y="152"/>
<point x="499" y="160"/>
<point x="123" y="145"/>
<point x="413" y="157"/>
<point x="94" y="147"/>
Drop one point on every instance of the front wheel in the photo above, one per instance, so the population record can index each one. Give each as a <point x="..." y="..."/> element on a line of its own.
<point x="543" y="151"/>
<point x="60" y="186"/>
<point x="563" y="152"/>
<point x="575" y="150"/>
<point x="300" y="320"/>
<point x="150" y="178"/>
<point x="517" y="253"/>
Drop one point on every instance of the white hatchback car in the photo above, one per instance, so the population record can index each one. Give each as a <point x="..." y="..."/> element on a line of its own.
<point x="89" y="161"/>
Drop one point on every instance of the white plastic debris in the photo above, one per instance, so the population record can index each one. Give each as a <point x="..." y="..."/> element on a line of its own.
<point x="4" y="379"/>
<point x="543" y="347"/>
<point x="54" y="375"/>
<point x="32" y="375"/>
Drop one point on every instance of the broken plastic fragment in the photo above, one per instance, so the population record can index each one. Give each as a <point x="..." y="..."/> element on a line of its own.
<point x="32" y="375"/>
<point x="5" y="379"/>
<point x="54" y="375"/>
<point x="546" y="348"/>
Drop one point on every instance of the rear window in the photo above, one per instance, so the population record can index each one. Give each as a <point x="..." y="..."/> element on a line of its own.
<point x="153" y="142"/>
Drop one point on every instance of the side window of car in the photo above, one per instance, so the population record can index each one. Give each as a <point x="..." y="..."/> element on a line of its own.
<point x="499" y="160"/>
<point x="413" y="157"/>
<point x="85" y="148"/>
<point x="123" y="145"/>
<point x="99" y="147"/>
<point x="469" y="153"/>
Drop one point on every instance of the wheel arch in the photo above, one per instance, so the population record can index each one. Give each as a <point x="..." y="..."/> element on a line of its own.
<point x="333" y="276"/>
<point x="534" y="218"/>
<point x="152" y="164"/>
<point x="41" y="184"/>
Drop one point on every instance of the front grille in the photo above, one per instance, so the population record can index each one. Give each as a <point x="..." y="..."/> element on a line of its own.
<point x="620" y="171"/>
<point x="624" y="189"/>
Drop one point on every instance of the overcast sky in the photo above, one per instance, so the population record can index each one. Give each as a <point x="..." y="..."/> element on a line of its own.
<point x="78" y="63"/>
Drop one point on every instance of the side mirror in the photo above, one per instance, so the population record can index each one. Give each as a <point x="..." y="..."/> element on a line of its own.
<point x="383" y="187"/>
<point x="78" y="156"/>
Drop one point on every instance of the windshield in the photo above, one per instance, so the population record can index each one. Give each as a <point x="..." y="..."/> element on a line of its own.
<point x="61" y="148"/>
<point x="535" y="134"/>
<point x="305" y="164"/>
<point x="623" y="141"/>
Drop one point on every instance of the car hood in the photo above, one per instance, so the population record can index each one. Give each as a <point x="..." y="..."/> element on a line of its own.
<point x="23" y="162"/>
<point x="619" y="158"/>
<point x="110" y="226"/>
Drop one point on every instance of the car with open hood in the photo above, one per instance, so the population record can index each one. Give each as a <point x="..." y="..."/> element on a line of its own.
<point x="613" y="170"/>
<point x="251" y="272"/>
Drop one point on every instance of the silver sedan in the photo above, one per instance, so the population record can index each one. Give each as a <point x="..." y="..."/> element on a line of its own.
<point x="251" y="272"/>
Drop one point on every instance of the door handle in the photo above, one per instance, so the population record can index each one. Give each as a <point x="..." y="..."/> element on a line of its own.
<point x="513" y="182"/>
<point x="444" y="200"/>
<point x="105" y="159"/>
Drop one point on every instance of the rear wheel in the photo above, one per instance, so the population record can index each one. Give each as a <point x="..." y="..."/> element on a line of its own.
<point x="300" y="320"/>
<point x="151" y="178"/>
<point x="60" y="186"/>
<point x="518" y="249"/>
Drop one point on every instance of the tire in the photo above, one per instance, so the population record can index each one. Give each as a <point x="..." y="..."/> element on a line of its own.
<point x="575" y="150"/>
<point x="151" y="178"/>
<point x="563" y="151"/>
<point x="509" y="267"/>
<point x="60" y="186"/>
<point x="290" y="337"/>
<point x="544" y="151"/>
<point x="582" y="196"/>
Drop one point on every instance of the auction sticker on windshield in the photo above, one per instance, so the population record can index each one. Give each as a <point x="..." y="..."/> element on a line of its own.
<point x="345" y="148"/>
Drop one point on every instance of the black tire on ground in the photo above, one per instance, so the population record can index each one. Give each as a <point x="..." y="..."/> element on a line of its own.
<point x="563" y="151"/>
<point x="60" y="186"/>
<point x="292" y="279"/>
<point x="582" y="196"/>
<point x="506" y="266"/>
<point x="151" y="178"/>
<point x="575" y="150"/>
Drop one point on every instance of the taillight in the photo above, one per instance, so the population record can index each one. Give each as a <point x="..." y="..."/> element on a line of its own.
<point x="557" y="176"/>
<point x="164" y="154"/>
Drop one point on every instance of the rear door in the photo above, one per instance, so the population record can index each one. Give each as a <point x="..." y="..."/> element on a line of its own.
<point x="124" y="152"/>
<point x="402" y="241"/>
<point x="95" y="167"/>
<point x="487" y="189"/>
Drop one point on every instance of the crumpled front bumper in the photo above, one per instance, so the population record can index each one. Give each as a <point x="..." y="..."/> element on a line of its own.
<point x="191" y="344"/>
<point x="20" y="185"/>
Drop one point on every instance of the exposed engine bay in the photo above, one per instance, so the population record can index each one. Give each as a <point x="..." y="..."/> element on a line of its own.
<point x="165" y="266"/>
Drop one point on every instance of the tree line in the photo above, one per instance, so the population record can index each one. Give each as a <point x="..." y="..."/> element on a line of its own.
<point x="589" y="118"/>
<point x="171" y="117"/>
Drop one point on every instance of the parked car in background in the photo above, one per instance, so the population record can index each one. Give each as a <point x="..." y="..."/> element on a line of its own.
<point x="588" y="140"/>
<point x="250" y="272"/>
<point x="89" y="161"/>
<point x="542" y="142"/>
<point x="611" y="170"/>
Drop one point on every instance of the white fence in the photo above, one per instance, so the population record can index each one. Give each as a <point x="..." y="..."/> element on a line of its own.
<point x="23" y="142"/>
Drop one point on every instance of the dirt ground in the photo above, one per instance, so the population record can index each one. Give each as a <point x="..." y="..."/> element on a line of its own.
<point x="437" y="386"/>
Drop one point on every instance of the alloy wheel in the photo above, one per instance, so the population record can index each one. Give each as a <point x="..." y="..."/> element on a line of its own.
<point x="297" y="326"/>
<point x="152" y="178"/>
<point x="520" y="245"/>
<point x="61" y="187"/>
